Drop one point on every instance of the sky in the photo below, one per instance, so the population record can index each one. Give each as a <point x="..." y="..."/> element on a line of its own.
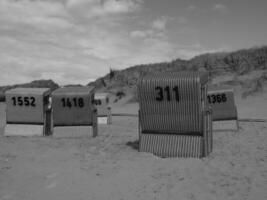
<point x="77" y="41"/>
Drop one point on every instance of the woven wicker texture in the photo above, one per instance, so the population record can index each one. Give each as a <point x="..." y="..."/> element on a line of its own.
<point x="174" y="119"/>
<point x="180" y="109"/>
<point x="172" y="145"/>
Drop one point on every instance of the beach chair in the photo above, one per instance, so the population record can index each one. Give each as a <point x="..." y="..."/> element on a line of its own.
<point x="221" y="100"/>
<point x="101" y="102"/>
<point x="73" y="106"/>
<point x="28" y="112"/>
<point x="174" y="117"/>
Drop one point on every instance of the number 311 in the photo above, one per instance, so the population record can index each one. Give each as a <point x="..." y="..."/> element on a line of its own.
<point x="162" y="92"/>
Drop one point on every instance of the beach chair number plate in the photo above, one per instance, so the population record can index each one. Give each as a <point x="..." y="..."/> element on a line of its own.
<point x="218" y="98"/>
<point x="72" y="102"/>
<point x="23" y="101"/>
<point x="165" y="93"/>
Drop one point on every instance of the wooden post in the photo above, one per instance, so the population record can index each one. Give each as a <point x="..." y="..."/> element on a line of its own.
<point x="45" y="124"/>
<point x="205" y="135"/>
<point x="139" y="130"/>
<point x="109" y="116"/>
<point x="237" y="125"/>
<point x="49" y="122"/>
<point x="94" y="120"/>
<point x="211" y="129"/>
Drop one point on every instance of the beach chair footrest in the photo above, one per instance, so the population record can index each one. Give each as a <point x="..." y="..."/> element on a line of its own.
<point x="171" y="145"/>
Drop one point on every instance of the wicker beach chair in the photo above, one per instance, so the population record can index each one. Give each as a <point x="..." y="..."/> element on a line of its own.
<point x="174" y="118"/>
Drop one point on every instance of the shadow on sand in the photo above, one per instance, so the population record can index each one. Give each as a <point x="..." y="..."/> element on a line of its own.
<point x="133" y="144"/>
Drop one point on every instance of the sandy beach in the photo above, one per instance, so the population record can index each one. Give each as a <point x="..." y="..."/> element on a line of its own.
<point x="73" y="165"/>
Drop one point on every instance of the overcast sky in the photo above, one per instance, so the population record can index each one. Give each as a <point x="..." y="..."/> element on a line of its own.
<point x="76" y="41"/>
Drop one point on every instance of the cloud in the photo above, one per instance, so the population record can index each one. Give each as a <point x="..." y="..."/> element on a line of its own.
<point x="191" y="8"/>
<point x="123" y="6"/>
<point x="160" y="23"/>
<point x="101" y="8"/>
<point x="24" y="61"/>
<point x="40" y="13"/>
<point x="37" y="42"/>
<point x="139" y="34"/>
<point x="182" y="20"/>
<point x="76" y="41"/>
<point x="156" y="28"/>
<point x="219" y="7"/>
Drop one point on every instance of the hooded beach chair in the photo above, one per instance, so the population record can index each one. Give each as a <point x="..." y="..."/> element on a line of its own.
<point x="174" y="117"/>
<point x="222" y="102"/>
<point x="101" y="102"/>
<point x="28" y="112"/>
<point x="73" y="106"/>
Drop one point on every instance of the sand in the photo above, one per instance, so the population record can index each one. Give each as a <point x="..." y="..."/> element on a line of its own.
<point x="71" y="165"/>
